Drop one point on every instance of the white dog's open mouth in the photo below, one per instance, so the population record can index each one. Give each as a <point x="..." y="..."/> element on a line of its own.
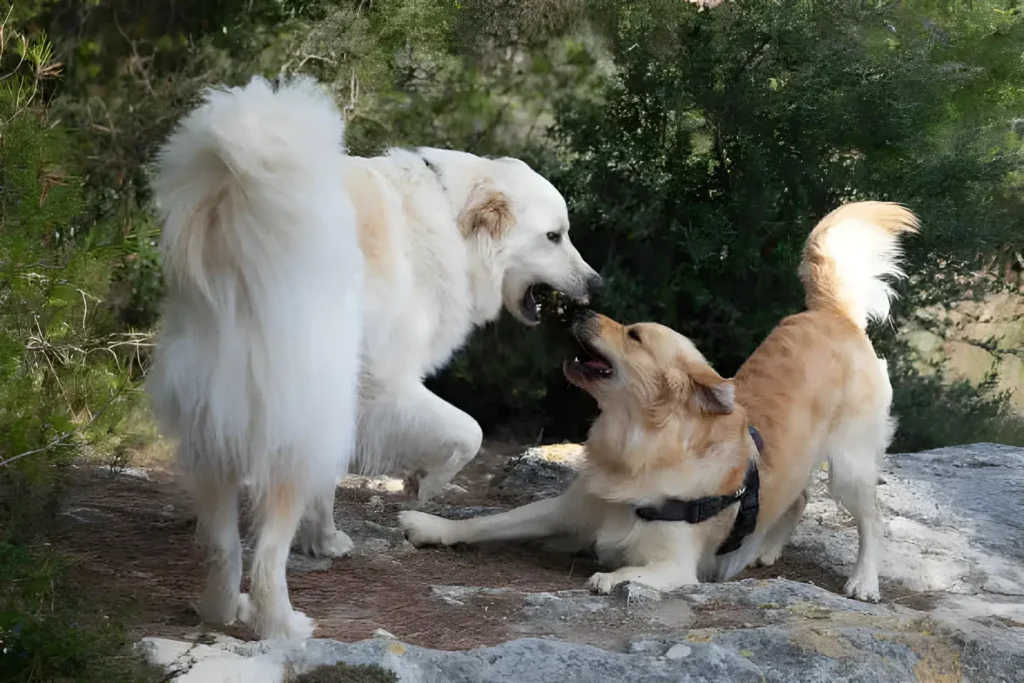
<point x="530" y="307"/>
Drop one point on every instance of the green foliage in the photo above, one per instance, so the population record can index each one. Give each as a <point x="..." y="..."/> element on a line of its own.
<point x="63" y="378"/>
<point x="722" y="136"/>
<point x="933" y="412"/>
<point x="48" y="631"/>
<point x="348" y="673"/>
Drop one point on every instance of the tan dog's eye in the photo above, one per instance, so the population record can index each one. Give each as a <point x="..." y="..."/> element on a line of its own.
<point x="634" y="335"/>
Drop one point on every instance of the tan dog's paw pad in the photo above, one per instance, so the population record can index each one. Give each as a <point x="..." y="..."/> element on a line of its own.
<point x="422" y="529"/>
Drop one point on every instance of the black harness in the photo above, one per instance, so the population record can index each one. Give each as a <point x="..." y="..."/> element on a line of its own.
<point x="701" y="509"/>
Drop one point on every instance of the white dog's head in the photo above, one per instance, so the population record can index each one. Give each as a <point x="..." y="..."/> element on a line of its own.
<point x="525" y="223"/>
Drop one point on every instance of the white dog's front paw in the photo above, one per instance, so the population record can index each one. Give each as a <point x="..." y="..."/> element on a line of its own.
<point x="428" y="487"/>
<point x="214" y="608"/>
<point x="294" y="626"/>
<point x="863" y="587"/>
<point x="423" y="529"/>
<point x="319" y="543"/>
<point x="603" y="583"/>
<point x="291" y="625"/>
<point x="244" y="613"/>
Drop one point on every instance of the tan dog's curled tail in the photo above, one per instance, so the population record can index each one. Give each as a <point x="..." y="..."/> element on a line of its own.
<point x="848" y="256"/>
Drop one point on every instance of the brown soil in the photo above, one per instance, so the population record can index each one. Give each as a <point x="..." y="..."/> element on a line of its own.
<point x="134" y="543"/>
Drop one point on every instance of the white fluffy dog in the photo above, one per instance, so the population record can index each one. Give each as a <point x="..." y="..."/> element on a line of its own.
<point x="450" y="239"/>
<point x="257" y="367"/>
<point x="281" y="255"/>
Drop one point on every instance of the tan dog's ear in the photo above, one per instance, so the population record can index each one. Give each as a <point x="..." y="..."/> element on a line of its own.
<point x="713" y="394"/>
<point x="487" y="211"/>
<point x="671" y="390"/>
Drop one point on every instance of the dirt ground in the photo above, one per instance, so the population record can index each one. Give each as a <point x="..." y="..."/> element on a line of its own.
<point x="134" y="542"/>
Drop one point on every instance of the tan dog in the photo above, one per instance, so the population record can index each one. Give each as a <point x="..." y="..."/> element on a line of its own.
<point x="672" y="430"/>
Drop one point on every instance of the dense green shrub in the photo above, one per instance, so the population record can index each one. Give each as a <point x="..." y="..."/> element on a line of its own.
<point x="723" y="136"/>
<point x="696" y="148"/>
<point x="65" y="381"/>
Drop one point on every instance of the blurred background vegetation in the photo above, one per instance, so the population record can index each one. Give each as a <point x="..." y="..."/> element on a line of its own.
<point x="696" y="147"/>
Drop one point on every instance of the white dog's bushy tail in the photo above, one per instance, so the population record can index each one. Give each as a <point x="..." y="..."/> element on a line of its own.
<point x="848" y="256"/>
<point x="262" y="328"/>
<point x="235" y="178"/>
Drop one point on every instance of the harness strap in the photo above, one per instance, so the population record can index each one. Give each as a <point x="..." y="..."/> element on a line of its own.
<point x="701" y="509"/>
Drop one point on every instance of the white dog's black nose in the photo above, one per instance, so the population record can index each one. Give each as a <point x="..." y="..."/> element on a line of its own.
<point x="594" y="284"/>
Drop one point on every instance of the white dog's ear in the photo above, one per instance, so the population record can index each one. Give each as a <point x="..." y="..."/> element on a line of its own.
<point x="487" y="211"/>
<point x="713" y="394"/>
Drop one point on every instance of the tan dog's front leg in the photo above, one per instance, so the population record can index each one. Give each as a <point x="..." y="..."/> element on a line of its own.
<point x="540" y="519"/>
<point x="564" y="514"/>
<point x="666" y="575"/>
<point x="661" y="555"/>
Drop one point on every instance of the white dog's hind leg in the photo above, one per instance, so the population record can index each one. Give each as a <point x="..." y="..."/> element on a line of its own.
<point x="268" y="610"/>
<point x="217" y="533"/>
<point x="317" y="534"/>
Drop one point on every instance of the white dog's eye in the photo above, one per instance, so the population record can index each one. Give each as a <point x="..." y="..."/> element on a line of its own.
<point x="555" y="237"/>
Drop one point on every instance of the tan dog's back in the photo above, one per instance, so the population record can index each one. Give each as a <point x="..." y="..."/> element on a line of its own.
<point x="812" y="379"/>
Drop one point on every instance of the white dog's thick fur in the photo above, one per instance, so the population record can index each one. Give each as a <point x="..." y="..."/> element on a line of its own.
<point x="671" y="427"/>
<point x="449" y="239"/>
<point x="256" y="368"/>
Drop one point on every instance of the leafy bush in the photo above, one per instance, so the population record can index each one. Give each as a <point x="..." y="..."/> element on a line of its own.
<point x="722" y="136"/>
<point x="65" y="375"/>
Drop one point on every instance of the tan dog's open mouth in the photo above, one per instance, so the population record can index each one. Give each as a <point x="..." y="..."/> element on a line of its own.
<point x="588" y="364"/>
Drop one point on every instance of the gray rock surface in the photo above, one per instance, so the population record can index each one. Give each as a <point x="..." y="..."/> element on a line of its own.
<point x="953" y="572"/>
<point x="954" y="528"/>
<point x="543" y="471"/>
<point x="796" y="632"/>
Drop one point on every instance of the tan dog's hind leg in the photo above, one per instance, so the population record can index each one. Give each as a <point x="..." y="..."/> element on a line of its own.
<point x="853" y="478"/>
<point x="778" y="536"/>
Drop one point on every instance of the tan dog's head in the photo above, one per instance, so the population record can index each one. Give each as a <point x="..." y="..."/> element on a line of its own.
<point x="646" y="369"/>
<point x="522" y="221"/>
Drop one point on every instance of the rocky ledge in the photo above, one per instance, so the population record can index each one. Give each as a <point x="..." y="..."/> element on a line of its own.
<point x="953" y="575"/>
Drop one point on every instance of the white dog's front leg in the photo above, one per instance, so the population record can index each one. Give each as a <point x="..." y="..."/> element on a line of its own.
<point x="667" y="575"/>
<point x="442" y="438"/>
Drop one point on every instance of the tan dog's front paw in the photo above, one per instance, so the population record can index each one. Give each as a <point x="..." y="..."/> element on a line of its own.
<point x="423" y="529"/>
